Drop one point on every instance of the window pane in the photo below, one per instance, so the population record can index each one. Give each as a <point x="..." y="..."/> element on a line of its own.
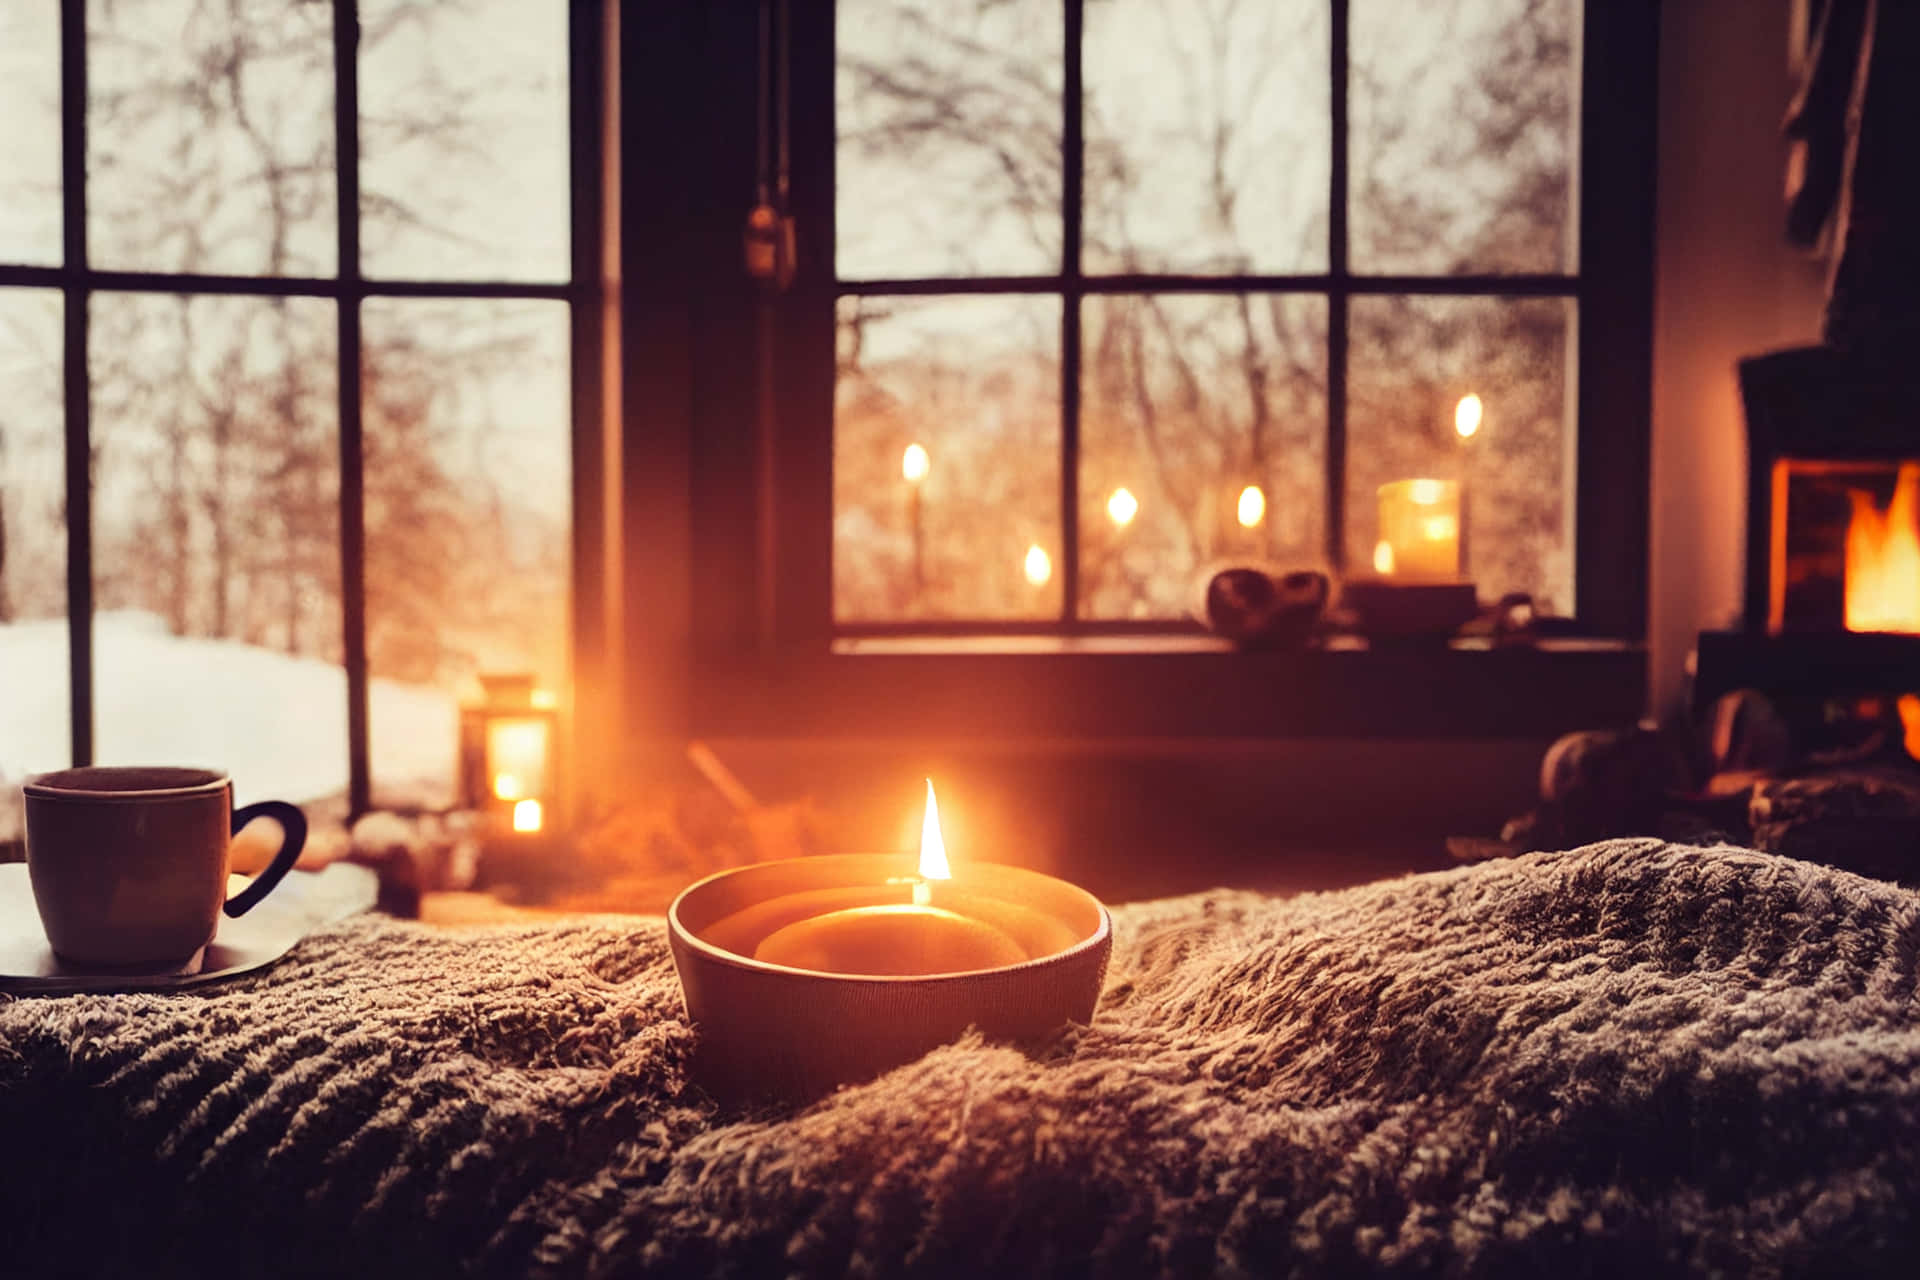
<point x="1207" y="136"/>
<point x="216" y="531"/>
<point x="468" y="443"/>
<point x="1413" y="361"/>
<point x="464" y="143"/>
<point x="1465" y="131"/>
<point x="1189" y="401"/>
<point x="948" y="117"/>
<point x="33" y="540"/>
<point x="30" y="142"/>
<point x="210" y="136"/>
<point x="968" y="525"/>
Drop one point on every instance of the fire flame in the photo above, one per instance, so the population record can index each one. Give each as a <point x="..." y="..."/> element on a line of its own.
<point x="914" y="464"/>
<point x="1883" y="559"/>
<point x="527" y="815"/>
<point x="933" y="849"/>
<point x="1909" y="707"/>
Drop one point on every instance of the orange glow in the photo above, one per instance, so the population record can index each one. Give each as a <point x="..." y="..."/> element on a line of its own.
<point x="1383" y="557"/>
<point x="544" y="699"/>
<point x="914" y="464"/>
<point x="933" y="848"/>
<point x="1466" y="416"/>
<point x="1909" y="706"/>
<point x="506" y="786"/>
<point x="1883" y="559"/>
<point x="1122" y="507"/>
<point x="527" y="815"/>
<point x="1039" y="566"/>
<point x="1253" y="506"/>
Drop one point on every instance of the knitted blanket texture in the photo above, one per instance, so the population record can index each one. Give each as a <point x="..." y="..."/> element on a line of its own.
<point x="1630" y="1059"/>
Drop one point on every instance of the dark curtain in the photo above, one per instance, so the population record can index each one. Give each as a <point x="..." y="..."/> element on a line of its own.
<point x="1854" y="181"/>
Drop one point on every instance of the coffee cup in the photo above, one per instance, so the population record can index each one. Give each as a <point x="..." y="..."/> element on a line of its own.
<point x="129" y="864"/>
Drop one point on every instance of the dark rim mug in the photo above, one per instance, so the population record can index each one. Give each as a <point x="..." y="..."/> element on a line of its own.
<point x="96" y="786"/>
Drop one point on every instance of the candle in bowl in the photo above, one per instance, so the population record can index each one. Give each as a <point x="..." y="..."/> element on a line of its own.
<point x="810" y="972"/>
<point x="1419" y="529"/>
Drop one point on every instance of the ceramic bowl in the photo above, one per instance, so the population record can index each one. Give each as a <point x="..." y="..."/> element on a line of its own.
<point x="770" y="1031"/>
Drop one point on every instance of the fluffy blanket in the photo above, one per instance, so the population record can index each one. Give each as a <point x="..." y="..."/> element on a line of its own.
<point x="1631" y="1059"/>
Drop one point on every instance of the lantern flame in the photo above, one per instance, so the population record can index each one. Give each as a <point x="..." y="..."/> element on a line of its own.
<point x="1466" y="416"/>
<point x="1039" y="565"/>
<point x="1253" y="506"/>
<point x="933" y="849"/>
<point x="1122" y="507"/>
<point x="527" y="815"/>
<point x="1883" y="559"/>
<point x="914" y="464"/>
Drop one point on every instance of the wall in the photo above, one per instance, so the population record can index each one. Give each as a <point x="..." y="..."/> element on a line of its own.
<point x="1727" y="285"/>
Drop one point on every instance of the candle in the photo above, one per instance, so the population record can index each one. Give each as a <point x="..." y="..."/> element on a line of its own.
<point x="905" y="938"/>
<point x="1419" y="529"/>
<point x="904" y="925"/>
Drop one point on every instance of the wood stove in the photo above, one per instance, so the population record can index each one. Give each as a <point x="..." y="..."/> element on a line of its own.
<point x="1831" y="625"/>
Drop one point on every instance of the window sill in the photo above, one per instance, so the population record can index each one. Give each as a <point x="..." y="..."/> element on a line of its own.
<point x="1154" y="688"/>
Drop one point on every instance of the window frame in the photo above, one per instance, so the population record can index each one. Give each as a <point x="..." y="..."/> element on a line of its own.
<point x="592" y="81"/>
<point x="764" y="655"/>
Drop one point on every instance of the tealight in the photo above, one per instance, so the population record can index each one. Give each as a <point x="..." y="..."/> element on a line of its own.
<point x="807" y="973"/>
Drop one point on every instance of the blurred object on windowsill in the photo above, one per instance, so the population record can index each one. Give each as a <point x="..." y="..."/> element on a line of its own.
<point x="1391" y="611"/>
<point x="1258" y="609"/>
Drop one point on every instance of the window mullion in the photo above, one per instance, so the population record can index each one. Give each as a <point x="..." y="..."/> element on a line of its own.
<point x="78" y="422"/>
<point x="1337" y="294"/>
<point x="1072" y="152"/>
<point x="353" y="594"/>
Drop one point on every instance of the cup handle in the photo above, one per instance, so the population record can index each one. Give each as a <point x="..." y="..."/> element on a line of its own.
<point x="293" y="827"/>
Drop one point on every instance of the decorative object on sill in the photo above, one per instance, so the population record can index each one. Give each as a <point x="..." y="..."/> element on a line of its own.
<point x="814" y="972"/>
<point x="510" y="756"/>
<point x="1390" y="611"/>
<point x="1256" y="609"/>
<point x="1419" y="534"/>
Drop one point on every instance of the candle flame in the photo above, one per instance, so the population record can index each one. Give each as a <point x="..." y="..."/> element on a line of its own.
<point x="914" y="464"/>
<point x="1383" y="557"/>
<point x="506" y="786"/>
<point x="1122" y="507"/>
<point x="1253" y="506"/>
<point x="1039" y="565"/>
<point x="527" y="815"/>
<point x="1466" y="415"/>
<point x="933" y="849"/>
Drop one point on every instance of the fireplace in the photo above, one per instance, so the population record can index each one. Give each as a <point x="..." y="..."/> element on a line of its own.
<point x="1831" y="627"/>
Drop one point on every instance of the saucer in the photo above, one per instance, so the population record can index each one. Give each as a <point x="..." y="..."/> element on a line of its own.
<point x="303" y="902"/>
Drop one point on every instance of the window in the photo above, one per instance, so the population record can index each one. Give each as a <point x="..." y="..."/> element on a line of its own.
<point x="1242" y="262"/>
<point x="1146" y="287"/>
<point x="297" y="320"/>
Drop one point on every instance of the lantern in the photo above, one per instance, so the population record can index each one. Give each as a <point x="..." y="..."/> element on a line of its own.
<point x="509" y="754"/>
